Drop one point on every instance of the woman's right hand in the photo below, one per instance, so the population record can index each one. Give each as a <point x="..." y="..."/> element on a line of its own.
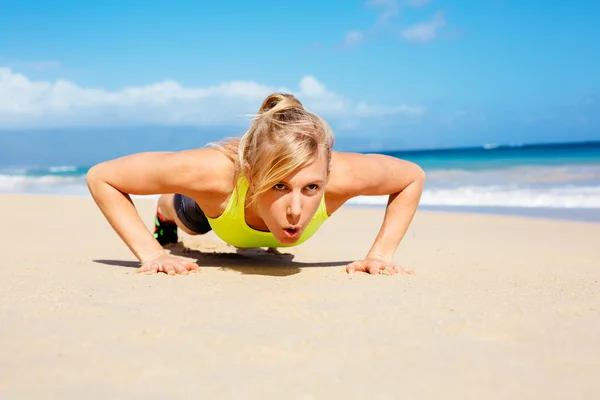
<point x="168" y="264"/>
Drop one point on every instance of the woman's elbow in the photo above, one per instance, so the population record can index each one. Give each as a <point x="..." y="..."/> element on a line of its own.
<point x="421" y="175"/>
<point x="94" y="177"/>
<point x="417" y="174"/>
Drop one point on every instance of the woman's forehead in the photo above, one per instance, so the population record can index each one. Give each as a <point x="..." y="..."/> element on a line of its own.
<point x="313" y="171"/>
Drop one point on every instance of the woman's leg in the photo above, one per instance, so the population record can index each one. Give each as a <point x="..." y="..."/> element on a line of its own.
<point x="167" y="213"/>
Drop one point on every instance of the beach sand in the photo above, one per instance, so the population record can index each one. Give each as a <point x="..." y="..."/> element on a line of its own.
<point x="498" y="308"/>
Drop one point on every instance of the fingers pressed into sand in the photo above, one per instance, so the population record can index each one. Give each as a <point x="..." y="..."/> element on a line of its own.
<point x="148" y="268"/>
<point x="191" y="266"/>
<point x="181" y="268"/>
<point x="169" y="269"/>
<point x="392" y="269"/>
<point x="356" y="266"/>
<point x="374" y="268"/>
<point x="154" y="267"/>
<point x="142" y="269"/>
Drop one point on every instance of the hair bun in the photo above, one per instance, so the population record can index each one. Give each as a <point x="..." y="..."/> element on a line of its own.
<point x="279" y="102"/>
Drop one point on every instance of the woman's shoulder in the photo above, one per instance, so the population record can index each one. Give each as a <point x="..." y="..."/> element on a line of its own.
<point x="376" y="174"/>
<point x="185" y="171"/>
<point x="354" y="174"/>
<point x="206" y="170"/>
<point x="344" y="166"/>
<point x="208" y="174"/>
<point x="340" y="185"/>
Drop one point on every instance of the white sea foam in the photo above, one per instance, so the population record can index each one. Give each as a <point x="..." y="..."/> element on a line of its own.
<point x="499" y="196"/>
<point x="489" y="146"/>
<point x="63" y="168"/>
<point x="48" y="184"/>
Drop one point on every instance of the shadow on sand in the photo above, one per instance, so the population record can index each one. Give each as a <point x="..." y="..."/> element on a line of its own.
<point x="244" y="261"/>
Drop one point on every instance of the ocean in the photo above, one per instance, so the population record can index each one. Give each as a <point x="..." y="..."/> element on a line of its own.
<point x="550" y="181"/>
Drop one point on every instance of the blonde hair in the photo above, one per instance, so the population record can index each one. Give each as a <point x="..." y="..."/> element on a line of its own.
<point x="283" y="137"/>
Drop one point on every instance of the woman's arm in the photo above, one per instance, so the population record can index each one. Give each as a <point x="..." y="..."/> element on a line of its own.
<point x="376" y="174"/>
<point x="110" y="183"/>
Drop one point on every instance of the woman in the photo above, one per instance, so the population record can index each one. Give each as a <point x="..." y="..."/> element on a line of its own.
<point x="272" y="188"/>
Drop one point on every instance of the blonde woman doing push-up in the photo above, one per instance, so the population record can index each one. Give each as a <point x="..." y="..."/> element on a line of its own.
<point x="273" y="187"/>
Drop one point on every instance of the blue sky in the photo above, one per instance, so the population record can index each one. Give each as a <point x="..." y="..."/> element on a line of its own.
<point x="407" y="74"/>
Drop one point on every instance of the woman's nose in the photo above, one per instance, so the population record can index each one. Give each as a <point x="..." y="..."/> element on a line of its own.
<point x="294" y="208"/>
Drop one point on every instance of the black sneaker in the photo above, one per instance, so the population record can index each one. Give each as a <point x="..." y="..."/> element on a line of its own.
<point x="164" y="231"/>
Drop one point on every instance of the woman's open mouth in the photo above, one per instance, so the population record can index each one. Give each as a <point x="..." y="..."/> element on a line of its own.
<point x="291" y="232"/>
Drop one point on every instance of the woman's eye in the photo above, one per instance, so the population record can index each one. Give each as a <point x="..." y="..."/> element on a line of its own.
<point x="279" y="186"/>
<point x="313" y="187"/>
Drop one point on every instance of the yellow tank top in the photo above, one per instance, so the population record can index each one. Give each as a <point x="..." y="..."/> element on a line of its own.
<point x="231" y="226"/>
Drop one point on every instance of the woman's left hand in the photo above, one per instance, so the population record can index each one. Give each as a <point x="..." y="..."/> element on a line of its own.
<point x="377" y="267"/>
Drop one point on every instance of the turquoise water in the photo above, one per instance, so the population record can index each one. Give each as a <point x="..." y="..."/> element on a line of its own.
<point x="561" y="180"/>
<point x="499" y="157"/>
<point x="557" y="181"/>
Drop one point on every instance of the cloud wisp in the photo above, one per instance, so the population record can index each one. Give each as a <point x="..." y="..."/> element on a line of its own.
<point x="388" y="10"/>
<point x="426" y="31"/>
<point x="352" y="39"/>
<point x="25" y="103"/>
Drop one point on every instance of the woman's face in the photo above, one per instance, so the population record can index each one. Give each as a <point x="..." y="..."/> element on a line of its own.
<point x="288" y="206"/>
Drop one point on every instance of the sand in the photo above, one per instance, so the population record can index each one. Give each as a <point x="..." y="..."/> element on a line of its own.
<point x="498" y="308"/>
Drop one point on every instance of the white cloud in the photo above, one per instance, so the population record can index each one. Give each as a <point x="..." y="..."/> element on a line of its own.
<point x="353" y="38"/>
<point x="311" y="87"/>
<point x="426" y="31"/>
<point x="389" y="9"/>
<point x="27" y="103"/>
<point x="318" y="99"/>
